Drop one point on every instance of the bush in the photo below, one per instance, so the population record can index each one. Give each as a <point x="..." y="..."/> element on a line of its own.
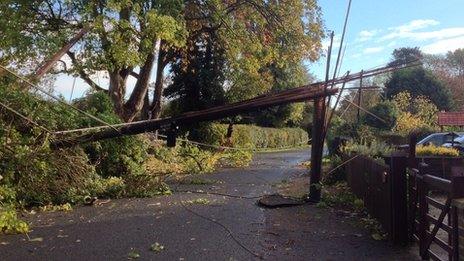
<point x="333" y="176"/>
<point x="385" y="110"/>
<point x="431" y="150"/>
<point x="9" y="221"/>
<point x="373" y="149"/>
<point x="253" y="137"/>
<point x="186" y="158"/>
<point x="41" y="176"/>
<point x="117" y="157"/>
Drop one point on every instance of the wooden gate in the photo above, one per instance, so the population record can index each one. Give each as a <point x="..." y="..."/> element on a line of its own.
<point x="433" y="221"/>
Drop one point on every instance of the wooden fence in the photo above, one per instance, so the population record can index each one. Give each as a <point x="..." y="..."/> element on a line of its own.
<point x="405" y="200"/>
<point x="382" y="187"/>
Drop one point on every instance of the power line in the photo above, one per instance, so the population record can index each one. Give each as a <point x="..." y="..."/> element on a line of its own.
<point x="56" y="98"/>
<point x="24" y="117"/>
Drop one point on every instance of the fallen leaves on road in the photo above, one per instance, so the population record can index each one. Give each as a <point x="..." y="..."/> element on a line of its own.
<point x="156" y="247"/>
<point x="133" y="254"/>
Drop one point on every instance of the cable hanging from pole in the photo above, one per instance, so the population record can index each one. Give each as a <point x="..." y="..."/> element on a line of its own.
<point x="24" y="117"/>
<point x="56" y="98"/>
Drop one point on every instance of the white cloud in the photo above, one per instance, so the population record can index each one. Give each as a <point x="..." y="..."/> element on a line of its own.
<point x="407" y="30"/>
<point x="444" y="46"/>
<point x="367" y="35"/>
<point x="416" y="25"/>
<point x="440" y="34"/>
<point x="372" y="50"/>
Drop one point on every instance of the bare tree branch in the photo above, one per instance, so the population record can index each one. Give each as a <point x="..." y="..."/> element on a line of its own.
<point x="83" y="74"/>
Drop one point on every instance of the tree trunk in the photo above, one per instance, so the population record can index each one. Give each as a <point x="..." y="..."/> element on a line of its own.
<point x="136" y="101"/>
<point x="158" y="94"/>
<point x="117" y="91"/>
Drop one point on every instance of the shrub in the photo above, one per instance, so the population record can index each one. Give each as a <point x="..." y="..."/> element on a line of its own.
<point x="431" y="150"/>
<point x="117" y="157"/>
<point x="250" y="136"/>
<point x="385" y="110"/>
<point x="9" y="221"/>
<point x="373" y="149"/>
<point x="333" y="176"/>
<point x="41" y="176"/>
<point x="414" y="114"/>
<point x="236" y="158"/>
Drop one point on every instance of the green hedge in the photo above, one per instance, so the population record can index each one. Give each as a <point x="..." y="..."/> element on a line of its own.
<point x="251" y="136"/>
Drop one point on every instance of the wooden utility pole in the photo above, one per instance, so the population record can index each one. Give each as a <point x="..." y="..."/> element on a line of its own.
<point x="215" y="113"/>
<point x="317" y="149"/>
<point x="358" y="115"/>
<point x="318" y="136"/>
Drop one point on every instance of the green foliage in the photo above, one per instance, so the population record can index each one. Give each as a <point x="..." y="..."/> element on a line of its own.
<point x="9" y="221"/>
<point x="254" y="137"/>
<point x="332" y="175"/>
<point x="449" y="69"/>
<point x="128" y="34"/>
<point x="337" y="195"/>
<point x="432" y="150"/>
<point x="41" y="176"/>
<point x="405" y="55"/>
<point x="291" y="115"/>
<point x="255" y="52"/>
<point x="236" y="158"/>
<point x="198" y="75"/>
<point x="419" y="82"/>
<point x="372" y="149"/>
<point x="186" y="158"/>
<point x="414" y="114"/>
<point x="385" y="110"/>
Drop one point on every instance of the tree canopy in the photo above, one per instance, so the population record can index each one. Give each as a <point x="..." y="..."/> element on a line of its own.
<point x="418" y="81"/>
<point x="128" y="38"/>
<point x="449" y="69"/>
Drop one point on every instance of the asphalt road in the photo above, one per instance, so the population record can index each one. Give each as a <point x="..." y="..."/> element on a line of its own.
<point x="226" y="228"/>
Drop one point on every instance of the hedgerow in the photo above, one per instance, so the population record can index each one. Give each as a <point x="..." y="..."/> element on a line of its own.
<point x="252" y="137"/>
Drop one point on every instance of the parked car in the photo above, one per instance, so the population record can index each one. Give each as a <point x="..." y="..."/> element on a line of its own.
<point x="458" y="144"/>
<point x="436" y="139"/>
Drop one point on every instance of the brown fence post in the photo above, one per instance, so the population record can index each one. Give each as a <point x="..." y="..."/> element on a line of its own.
<point x="457" y="193"/>
<point x="412" y="150"/>
<point x="412" y="202"/>
<point x="455" y="234"/>
<point x="423" y="224"/>
<point x="398" y="166"/>
<point x="412" y="189"/>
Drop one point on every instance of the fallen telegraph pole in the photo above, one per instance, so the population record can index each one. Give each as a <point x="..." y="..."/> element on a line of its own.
<point x="290" y="96"/>
<point x="300" y="94"/>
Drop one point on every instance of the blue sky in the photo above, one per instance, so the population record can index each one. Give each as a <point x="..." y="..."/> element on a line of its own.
<point x="377" y="27"/>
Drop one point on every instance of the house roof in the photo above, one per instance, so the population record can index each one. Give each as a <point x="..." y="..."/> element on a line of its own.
<point x="451" y="118"/>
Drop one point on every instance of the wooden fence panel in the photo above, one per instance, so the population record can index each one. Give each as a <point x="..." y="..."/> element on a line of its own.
<point x="369" y="180"/>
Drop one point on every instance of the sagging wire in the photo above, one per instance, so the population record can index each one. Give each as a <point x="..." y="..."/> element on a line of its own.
<point x="56" y="98"/>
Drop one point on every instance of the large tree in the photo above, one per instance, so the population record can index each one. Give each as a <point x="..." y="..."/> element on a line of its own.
<point x="197" y="75"/>
<point x="449" y="69"/>
<point x="406" y="55"/>
<point x="128" y="38"/>
<point x="418" y="81"/>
